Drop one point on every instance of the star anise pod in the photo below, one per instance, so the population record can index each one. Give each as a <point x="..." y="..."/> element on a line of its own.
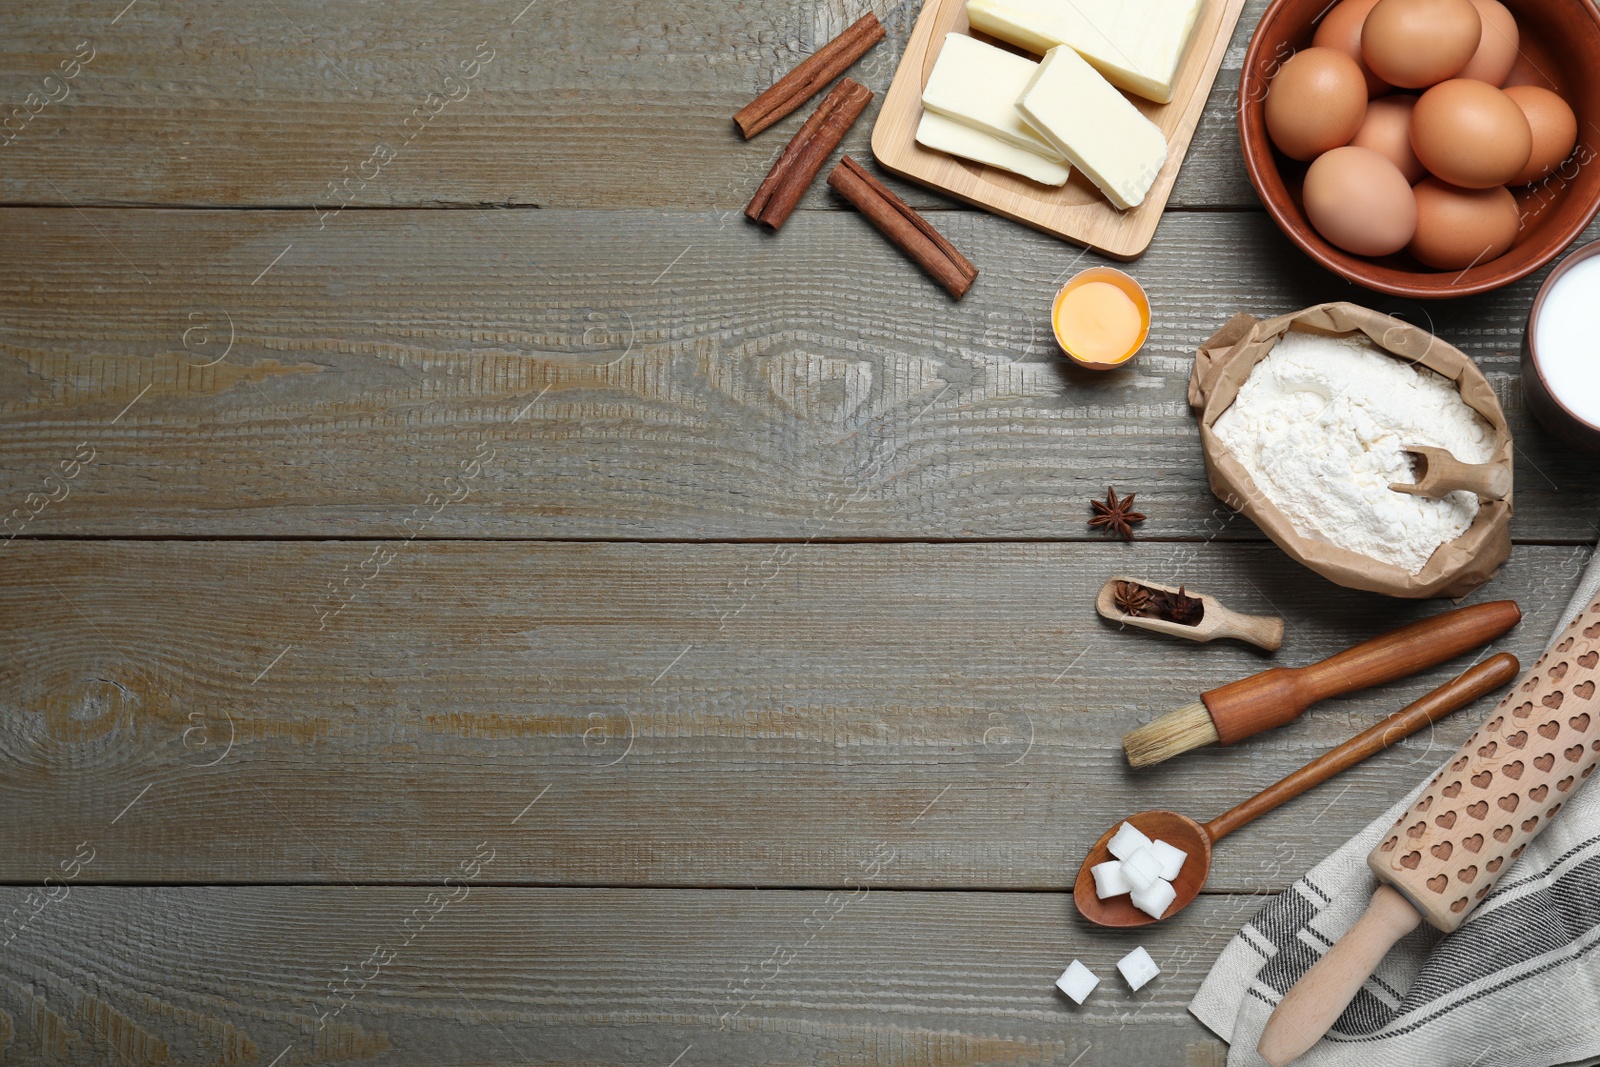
<point x="1130" y="598"/>
<point x="1115" y="515"/>
<point x="1178" y="607"/>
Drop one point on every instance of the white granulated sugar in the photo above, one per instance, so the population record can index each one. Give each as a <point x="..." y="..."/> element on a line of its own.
<point x="1077" y="982"/>
<point x="1170" y="856"/>
<point x="1141" y="869"/>
<point x="1126" y="841"/>
<point x="1320" y="424"/>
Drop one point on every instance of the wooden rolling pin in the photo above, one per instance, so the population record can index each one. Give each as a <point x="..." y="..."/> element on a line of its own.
<point x="1475" y="818"/>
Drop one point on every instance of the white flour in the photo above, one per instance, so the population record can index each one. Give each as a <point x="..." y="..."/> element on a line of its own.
<point x="1319" y="424"/>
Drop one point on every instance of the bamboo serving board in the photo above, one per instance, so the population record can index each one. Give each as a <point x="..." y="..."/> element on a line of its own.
<point x="1075" y="211"/>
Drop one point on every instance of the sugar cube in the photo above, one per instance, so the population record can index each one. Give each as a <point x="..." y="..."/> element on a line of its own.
<point x="1137" y="967"/>
<point x="1171" y="857"/>
<point x="1142" y="870"/>
<point x="1155" y="900"/>
<point x="1109" y="881"/>
<point x="1126" y="841"/>
<point x="1078" y="981"/>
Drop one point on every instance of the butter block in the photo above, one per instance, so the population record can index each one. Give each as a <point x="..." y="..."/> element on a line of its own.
<point x="1094" y="127"/>
<point x="1136" y="44"/>
<point x="947" y="135"/>
<point x="977" y="85"/>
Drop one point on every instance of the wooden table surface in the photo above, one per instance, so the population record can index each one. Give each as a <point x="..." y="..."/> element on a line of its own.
<point x="476" y="600"/>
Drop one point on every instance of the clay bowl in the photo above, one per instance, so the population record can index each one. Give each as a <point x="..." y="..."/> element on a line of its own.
<point x="1561" y="421"/>
<point x="1560" y="50"/>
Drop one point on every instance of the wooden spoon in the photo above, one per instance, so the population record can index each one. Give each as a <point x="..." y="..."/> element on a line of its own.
<point x="1438" y="473"/>
<point x="1197" y="840"/>
<point x="1218" y="621"/>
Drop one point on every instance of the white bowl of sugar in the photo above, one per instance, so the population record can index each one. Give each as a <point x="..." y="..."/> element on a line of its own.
<point x="1561" y="351"/>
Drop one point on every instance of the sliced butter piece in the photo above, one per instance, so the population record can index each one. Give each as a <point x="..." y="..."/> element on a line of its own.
<point x="948" y="135"/>
<point x="1094" y="126"/>
<point x="977" y="85"/>
<point x="1136" y="44"/>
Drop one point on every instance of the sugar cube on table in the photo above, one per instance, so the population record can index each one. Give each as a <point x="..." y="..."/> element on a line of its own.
<point x="1126" y="841"/>
<point x="1137" y="967"/>
<point x="1142" y="870"/>
<point x="1077" y="982"/>
<point x="1171" y="858"/>
<point x="1155" y="901"/>
<point x="1109" y="881"/>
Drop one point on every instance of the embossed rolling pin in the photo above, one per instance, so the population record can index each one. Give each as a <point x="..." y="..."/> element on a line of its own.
<point x="1476" y="816"/>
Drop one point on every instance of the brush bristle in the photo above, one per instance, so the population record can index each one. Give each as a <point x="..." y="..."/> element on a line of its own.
<point x="1173" y="734"/>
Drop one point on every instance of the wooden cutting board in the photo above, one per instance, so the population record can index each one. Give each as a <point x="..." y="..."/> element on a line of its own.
<point x="1075" y="211"/>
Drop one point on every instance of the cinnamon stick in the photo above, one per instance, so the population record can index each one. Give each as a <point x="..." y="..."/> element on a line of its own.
<point x="807" y="79"/>
<point x="905" y="229"/>
<point x="804" y="156"/>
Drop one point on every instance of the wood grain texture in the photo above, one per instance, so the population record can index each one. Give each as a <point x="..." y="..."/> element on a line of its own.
<point x="549" y="976"/>
<point x="675" y="714"/>
<point x="1076" y="211"/>
<point x="626" y="387"/>
<point x="225" y="104"/>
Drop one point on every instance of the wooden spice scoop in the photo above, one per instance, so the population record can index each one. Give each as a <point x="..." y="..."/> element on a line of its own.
<point x="1198" y="840"/>
<point x="1438" y="472"/>
<point x="1218" y="621"/>
<point x="1472" y="821"/>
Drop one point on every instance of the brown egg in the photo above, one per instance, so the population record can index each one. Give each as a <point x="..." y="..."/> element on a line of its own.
<point x="1470" y="134"/>
<point x="1360" y="201"/>
<point x="1460" y="228"/>
<point x="1387" y="131"/>
<point x="1315" y="102"/>
<point x="1497" y="49"/>
<point x="1555" y="129"/>
<point x="1418" y="43"/>
<point x="1340" y="28"/>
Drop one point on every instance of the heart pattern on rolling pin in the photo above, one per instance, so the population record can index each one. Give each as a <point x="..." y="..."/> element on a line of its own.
<point x="1513" y="767"/>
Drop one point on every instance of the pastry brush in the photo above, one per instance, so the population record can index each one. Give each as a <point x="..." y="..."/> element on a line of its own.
<point x="1464" y="832"/>
<point x="1244" y="708"/>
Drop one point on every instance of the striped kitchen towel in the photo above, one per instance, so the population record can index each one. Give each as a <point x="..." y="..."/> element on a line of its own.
<point x="1518" y="985"/>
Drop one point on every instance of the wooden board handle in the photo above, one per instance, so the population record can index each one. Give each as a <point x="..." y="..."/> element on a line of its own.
<point x="1504" y="785"/>
<point x="1476" y="681"/>
<point x="1272" y="698"/>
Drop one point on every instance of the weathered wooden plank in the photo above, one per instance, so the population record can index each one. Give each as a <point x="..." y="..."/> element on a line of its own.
<point x="635" y="375"/>
<point x="661" y="714"/>
<point x="548" y="976"/>
<point x="580" y="105"/>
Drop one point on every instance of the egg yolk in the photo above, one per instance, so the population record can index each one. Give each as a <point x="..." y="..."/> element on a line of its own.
<point x="1099" y="323"/>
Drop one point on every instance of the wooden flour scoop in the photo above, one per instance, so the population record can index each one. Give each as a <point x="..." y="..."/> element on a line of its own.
<point x="1439" y="473"/>
<point x="1474" y="819"/>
